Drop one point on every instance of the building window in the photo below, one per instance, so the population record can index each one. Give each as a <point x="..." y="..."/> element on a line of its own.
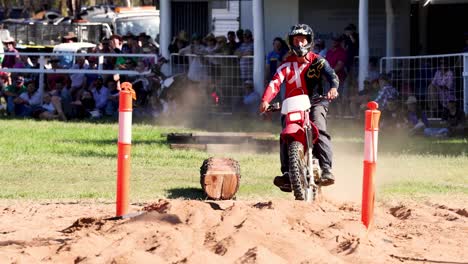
<point x="220" y="4"/>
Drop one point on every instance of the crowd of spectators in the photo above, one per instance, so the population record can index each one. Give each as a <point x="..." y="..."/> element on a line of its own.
<point x="80" y="95"/>
<point x="76" y="95"/>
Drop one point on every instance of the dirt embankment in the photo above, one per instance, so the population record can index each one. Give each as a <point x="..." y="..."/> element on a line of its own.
<point x="279" y="231"/>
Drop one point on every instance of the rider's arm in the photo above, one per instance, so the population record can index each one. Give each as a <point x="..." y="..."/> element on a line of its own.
<point x="330" y="74"/>
<point x="273" y="87"/>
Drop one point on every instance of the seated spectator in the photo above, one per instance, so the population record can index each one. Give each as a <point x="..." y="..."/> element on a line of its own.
<point x="415" y="120"/>
<point x="12" y="91"/>
<point x="392" y="116"/>
<point x="251" y="99"/>
<point x="84" y="106"/>
<point x="46" y="111"/>
<point x="61" y="97"/>
<point x="78" y="80"/>
<point x="112" y="107"/>
<point x="358" y="103"/>
<point x="27" y="100"/>
<point x="100" y="95"/>
<point x="386" y="92"/>
<point x="454" y="118"/>
<point x="453" y="122"/>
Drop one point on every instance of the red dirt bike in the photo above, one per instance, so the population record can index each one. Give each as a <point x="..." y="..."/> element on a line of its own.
<point x="300" y="134"/>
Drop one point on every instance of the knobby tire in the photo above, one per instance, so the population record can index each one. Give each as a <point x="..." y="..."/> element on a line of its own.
<point x="296" y="168"/>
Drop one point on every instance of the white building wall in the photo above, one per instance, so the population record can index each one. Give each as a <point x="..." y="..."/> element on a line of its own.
<point x="279" y="16"/>
<point x="246" y="20"/>
<point x="224" y="20"/>
<point x="332" y="16"/>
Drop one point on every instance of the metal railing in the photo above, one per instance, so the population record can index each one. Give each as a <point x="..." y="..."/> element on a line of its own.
<point x="223" y="74"/>
<point x="226" y="74"/>
<point x="50" y="35"/>
<point x="43" y="59"/>
<point x="414" y="76"/>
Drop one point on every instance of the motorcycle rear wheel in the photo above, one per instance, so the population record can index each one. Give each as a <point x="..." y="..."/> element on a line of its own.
<point x="297" y="170"/>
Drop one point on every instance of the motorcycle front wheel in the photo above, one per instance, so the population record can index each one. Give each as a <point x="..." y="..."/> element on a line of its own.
<point x="298" y="170"/>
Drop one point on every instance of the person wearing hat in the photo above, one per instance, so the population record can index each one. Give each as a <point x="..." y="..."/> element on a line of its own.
<point x="116" y="46"/>
<point x="178" y="42"/>
<point x="116" y="43"/>
<point x="454" y="118"/>
<point x="10" y="59"/>
<point x="221" y="45"/>
<point x="415" y="119"/>
<point x="210" y="43"/>
<point x="70" y="38"/>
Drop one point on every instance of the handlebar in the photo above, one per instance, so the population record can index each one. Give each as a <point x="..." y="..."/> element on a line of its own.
<point x="274" y="107"/>
<point x="314" y="100"/>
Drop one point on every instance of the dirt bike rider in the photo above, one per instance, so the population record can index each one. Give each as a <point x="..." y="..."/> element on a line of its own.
<point x="302" y="71"/>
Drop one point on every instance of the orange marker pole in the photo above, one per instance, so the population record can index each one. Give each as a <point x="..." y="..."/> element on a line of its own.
<point x="370" y="159"/>
<point x="124" y="145"/>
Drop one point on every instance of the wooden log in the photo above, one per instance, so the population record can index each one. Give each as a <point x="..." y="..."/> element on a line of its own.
<point x="220" y="178"/>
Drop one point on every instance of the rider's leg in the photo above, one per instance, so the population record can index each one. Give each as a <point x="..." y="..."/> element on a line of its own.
<point x="322" y="148"/>
<point x="283" y="181"/>
<point x="284" y="157"/>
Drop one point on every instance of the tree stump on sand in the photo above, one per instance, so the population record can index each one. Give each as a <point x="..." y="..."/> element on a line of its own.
<point x="220" y="178"/>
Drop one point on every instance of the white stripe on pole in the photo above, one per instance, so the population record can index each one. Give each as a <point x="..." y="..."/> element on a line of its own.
<point x="125" y="127"/>
<point x="370" y="146"/>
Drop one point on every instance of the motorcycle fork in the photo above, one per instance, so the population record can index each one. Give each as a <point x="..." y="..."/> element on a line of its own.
<point x="310" y="166"/>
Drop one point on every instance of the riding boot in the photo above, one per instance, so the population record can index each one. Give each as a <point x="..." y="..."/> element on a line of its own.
<point x="322" y="148"/>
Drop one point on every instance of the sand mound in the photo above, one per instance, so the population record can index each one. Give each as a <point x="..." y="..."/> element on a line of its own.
<point x="187" y="231"/>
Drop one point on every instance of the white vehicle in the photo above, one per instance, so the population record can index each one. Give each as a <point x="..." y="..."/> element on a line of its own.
<point x="124" y="20"/>
<point x="66" y="52"/>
